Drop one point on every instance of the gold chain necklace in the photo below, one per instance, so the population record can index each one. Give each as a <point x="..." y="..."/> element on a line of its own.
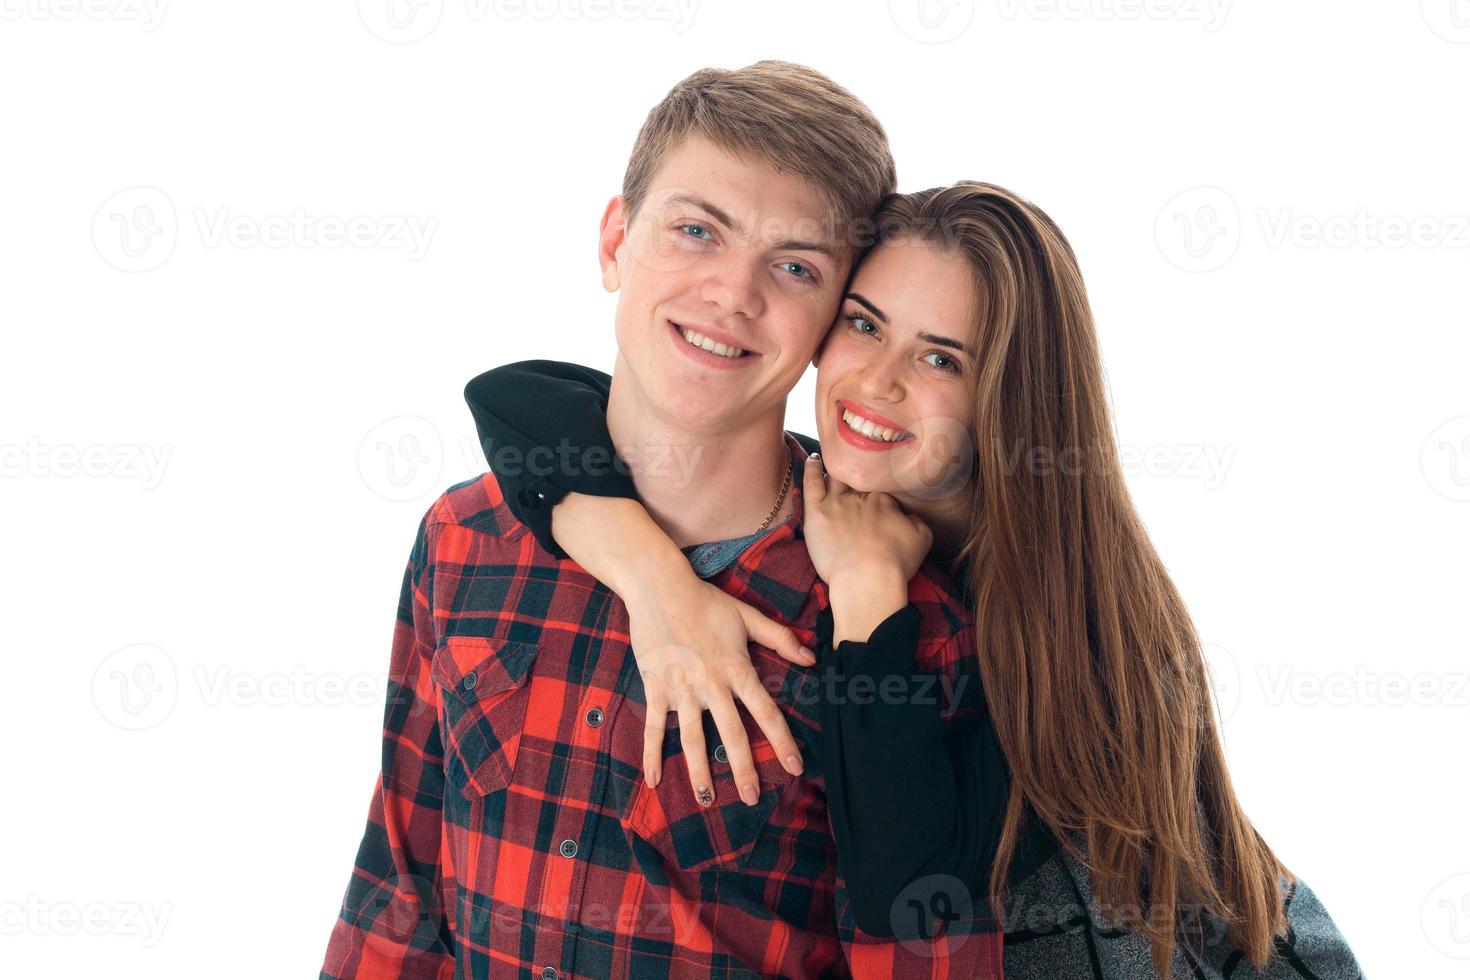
<point x="785" y="485"/>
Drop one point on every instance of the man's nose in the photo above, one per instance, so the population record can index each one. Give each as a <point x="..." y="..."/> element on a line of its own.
<point x="733" y="285"/>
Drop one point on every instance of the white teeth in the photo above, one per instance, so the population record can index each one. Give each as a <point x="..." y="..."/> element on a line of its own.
<point x="868" y="429"/>
<point x="714" y="347"/>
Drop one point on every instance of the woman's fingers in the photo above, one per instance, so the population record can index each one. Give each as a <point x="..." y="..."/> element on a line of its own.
<point x="769" y="633"/>
<point x="813" y="481"/>
<point x="926" y="533"/>
<point x="691" y="735"/>
<point x="653" y="734"/>
<point x="737" y="746"/>
<point x="772" y="722"/>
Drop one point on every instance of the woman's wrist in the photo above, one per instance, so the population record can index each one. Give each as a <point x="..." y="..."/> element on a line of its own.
<point x="861" y="600"/>
<point x="618" y="544"/>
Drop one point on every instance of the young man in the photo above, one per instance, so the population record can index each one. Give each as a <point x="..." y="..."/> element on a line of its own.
<point x="511" y="832"/>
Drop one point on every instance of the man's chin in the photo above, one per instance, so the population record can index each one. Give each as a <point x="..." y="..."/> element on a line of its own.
<point x="700" y="403"/>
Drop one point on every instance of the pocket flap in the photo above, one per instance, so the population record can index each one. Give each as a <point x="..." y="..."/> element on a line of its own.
<point x="471" y="668"/>
<point x="484" y="691"/>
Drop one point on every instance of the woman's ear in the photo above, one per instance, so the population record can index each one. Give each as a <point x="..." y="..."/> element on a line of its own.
<point x="610" y="237"/>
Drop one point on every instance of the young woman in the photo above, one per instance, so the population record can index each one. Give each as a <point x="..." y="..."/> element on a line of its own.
<point x="1090" y="801"/>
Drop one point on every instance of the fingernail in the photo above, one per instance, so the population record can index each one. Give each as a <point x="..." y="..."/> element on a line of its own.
<point x="815" y="456"/>
<point x="704" y="796"/>
<point x="793" y="764"/>
<point x="749" y="795"/>
<point x="649" y="778"/>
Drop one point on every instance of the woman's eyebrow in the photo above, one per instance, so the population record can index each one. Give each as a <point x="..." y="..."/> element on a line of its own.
<point x="931" y="338"/>
<point x="878" y="314"/>
<point x="928" y="338"/>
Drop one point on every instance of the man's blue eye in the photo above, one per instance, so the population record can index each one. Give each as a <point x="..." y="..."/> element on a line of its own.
<point x="802" y="272"/>
<point x="697" y="230"/>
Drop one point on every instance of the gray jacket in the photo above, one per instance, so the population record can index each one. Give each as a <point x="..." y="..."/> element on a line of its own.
<point x="1048" y="938"/>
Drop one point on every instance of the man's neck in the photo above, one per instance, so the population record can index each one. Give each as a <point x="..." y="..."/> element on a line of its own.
<point x="699" y="485"/>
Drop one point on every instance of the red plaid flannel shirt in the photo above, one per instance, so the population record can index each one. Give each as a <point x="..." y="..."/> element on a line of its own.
<point x="510" y="833"/>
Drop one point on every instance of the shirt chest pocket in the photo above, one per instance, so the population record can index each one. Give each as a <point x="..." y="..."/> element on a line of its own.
<point x="723" y="835"/>
<point x="484" y="686"/>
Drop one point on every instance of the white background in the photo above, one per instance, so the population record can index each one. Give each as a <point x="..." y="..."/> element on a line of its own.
<point x="221" y="426"/>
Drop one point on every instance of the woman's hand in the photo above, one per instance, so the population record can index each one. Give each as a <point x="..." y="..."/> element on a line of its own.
<point x="689" y="639"/>
<point x="864" y="547"/>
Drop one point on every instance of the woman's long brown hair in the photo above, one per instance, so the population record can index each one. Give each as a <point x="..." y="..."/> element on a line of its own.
<point x="1092" y="667"/>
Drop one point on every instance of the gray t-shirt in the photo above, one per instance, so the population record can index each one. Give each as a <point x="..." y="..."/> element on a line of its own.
<point x="710" y="558"/>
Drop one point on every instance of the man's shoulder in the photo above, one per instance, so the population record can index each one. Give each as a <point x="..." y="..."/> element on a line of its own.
<point x="477" y="504"/>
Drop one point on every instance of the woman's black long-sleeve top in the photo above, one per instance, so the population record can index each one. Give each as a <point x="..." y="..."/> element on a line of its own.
<point x="915" y="804"/>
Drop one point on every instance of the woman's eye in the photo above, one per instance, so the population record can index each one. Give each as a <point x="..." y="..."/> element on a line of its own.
<point x="858" y="320"/>
<point x="797" y="269"/>
<point x="950" y="364"/>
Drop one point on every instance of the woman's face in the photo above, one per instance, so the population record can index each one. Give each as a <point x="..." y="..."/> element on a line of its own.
<point x="894" y="377"/>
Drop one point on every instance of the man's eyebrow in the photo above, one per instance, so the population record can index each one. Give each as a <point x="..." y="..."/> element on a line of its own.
<point x="822" y="248"/>
<point x="714" y="210"/>
<point x="928" y="338"/>
<point x="724" y="218"/>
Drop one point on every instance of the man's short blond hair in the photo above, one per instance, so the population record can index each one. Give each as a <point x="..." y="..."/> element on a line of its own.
<point x="788" y="116"/>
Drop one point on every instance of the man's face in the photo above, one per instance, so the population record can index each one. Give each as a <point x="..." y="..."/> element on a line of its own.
<point x="727" y="279"/>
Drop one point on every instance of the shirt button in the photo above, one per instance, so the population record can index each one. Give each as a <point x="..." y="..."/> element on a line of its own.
<point x="469" y="681"/>
<point x="548" y="973"/>
<point x="720" y="754"/>
<point x="594" y="717"/>
<point x="568" y="848"/>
